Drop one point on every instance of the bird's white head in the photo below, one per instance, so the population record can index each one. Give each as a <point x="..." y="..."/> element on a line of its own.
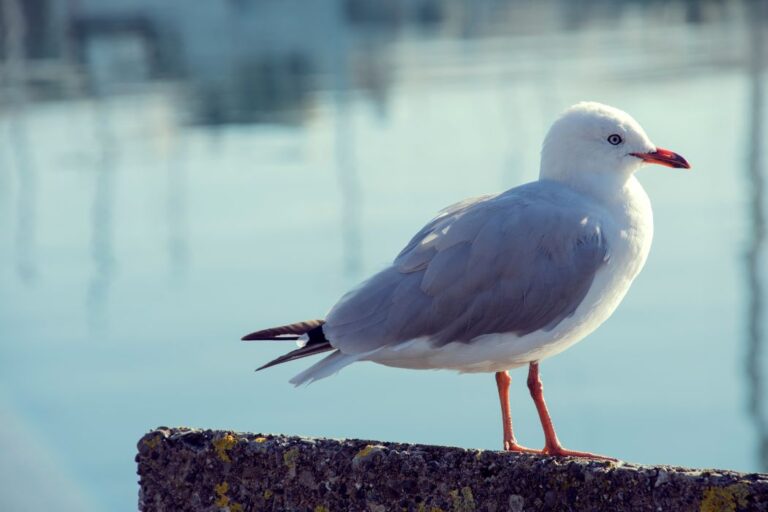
<point x="594" y="142"/>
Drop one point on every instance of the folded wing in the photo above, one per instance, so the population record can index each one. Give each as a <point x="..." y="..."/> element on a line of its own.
<point x="517" y="262"/>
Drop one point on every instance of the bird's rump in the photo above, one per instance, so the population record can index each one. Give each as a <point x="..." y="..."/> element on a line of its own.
<point x="517" y="262"/>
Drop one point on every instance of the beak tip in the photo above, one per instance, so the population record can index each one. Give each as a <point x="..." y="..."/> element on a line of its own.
<point x="664" y="157"/>
<point x="682" y="163"/>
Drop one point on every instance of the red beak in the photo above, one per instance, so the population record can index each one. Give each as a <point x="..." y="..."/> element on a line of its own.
<point x="664" y="157"/>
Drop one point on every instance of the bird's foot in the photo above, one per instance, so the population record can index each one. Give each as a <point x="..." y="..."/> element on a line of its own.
<point x="559" y="451"/>
<point x="512" y="446"/>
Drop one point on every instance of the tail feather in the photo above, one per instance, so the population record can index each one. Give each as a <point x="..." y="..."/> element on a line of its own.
<point x="309" y="350"/>
<point x="310" y="331"/>
<point x="326" y="367"/>
<point x="285" y="332"/>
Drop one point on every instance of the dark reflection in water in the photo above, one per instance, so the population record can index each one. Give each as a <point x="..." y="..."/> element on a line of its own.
<point x="102" y="209"/>
<point x="755" y="129"/>
<point x="262" y="89"/>
<point x="15" y="32"/>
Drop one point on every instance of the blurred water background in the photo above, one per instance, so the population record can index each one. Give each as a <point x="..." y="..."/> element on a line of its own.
<point x="175" y="174"/>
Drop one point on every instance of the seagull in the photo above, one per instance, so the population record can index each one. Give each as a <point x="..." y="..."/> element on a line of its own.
<point x="501" y="281"/>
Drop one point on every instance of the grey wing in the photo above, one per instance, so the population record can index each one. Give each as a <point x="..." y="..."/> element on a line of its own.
<point x="445" y="218"/>
<point x="518" y="262"/>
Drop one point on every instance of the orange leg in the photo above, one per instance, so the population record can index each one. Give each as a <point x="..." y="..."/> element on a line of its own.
<point x="510" y="443"/>
<point x="552" y="443"/>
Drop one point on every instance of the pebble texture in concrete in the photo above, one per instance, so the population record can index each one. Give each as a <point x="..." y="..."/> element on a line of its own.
<point x="184" y="469"/>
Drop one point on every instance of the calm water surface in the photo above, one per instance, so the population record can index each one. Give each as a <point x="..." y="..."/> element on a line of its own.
<point x="155" y="211"/>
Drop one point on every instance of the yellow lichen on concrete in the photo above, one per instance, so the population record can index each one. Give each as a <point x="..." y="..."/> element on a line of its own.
<point x="724" y="499"/>
<point x="289" y="459"/>
<point x="464" y="502"/>
<point x="153" y="443"/>
<point x="368" y="452"/>
<point x="223" y="501"/>
<point x="224" y="444"/>
<point x="365" y="451"/>
<point x="268" y="494"/>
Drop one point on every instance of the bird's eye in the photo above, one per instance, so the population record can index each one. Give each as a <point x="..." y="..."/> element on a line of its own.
<point x="615" y="139"/>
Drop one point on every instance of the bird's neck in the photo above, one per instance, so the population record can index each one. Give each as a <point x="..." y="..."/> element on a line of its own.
<point x="606" y="187"/>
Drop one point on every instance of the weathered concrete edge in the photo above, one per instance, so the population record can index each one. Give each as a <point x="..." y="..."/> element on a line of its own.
<point x="206" y="470"/>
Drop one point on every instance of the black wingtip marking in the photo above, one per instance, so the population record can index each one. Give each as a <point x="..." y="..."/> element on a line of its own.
<point x="312" y="329"/>
<point x="285" y="332"/>
<point x="254" y="336"/>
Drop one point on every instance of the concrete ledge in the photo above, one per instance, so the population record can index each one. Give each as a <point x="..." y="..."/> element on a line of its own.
<point x="184" y="469"/>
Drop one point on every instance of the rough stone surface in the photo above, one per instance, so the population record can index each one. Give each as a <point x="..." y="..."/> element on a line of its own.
<point x="185" y="469"/>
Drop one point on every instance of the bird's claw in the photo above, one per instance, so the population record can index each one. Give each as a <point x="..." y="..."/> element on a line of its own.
<point x="512" y="446"/>
<point x="554" y="451"/>
<point x="559" y="451"/>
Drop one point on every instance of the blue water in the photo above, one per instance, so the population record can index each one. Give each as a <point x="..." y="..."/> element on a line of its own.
<point x="150" y="220"/>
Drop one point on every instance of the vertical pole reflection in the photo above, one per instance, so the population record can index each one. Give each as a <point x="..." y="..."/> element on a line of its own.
<point x="176" y="211"/>
<point x="757" y="409"/>
<point x="350" y="188"/>
<point x="508" y="90"/>
<point x="349" y="183"/>
<point x="15" y="77"/>
<point x="102" y="210"/>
